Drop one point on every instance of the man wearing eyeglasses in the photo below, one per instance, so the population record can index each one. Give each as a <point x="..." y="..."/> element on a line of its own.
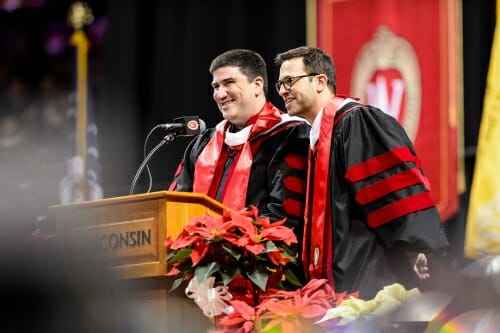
<point x="370" y="220"/>
<point x="257" y="155"/>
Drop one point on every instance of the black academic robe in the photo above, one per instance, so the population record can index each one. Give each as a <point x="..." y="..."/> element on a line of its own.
<point x="379" y="210"/>
<point x="275" y="178"/>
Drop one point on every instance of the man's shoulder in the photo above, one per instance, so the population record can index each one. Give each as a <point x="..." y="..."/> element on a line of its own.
<point x="290" y="123"/>
<point x="285" y="130"/>
<point x="286" y="118"/>
<point x="354" y="109"/>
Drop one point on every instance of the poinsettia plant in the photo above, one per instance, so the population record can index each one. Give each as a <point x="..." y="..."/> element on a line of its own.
<point x="284" y="311"/>
<point x="241" y="250"/>
<point x="240" y="268"/>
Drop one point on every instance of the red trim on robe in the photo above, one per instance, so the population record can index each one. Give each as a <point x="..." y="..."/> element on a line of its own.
<point x="296" y="161"/>
<point x="295" y="184"/>
<point x="294" y="206"/>
<point x="390" y="184"/>
<point x="177" y="172"/>
<point x="400" y="208"/>
<point x="236" y="187"/>
<point x="380" y="163"/>
<point x="208" y="159"/>
<point x="318" y="222"/>
<point x="219" y="170"/>
<point x="306" y="237"/>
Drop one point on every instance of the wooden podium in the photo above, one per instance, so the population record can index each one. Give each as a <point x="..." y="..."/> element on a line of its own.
<point x="131" y="231"/>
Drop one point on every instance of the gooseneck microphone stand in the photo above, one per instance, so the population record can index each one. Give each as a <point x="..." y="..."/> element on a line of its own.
<point x="168" y="138"/>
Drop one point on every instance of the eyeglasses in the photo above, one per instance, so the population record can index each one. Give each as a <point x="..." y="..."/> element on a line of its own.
<point x="289" y="81"/>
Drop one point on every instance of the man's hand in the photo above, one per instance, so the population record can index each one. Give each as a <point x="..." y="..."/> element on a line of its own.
<point x="420" y="267"/>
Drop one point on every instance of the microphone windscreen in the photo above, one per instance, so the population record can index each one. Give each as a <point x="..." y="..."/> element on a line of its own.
<point x="193" y="125"/>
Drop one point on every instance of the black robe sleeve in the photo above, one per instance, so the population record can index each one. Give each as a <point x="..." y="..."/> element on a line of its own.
<point x="279" y="186"/>
<point x="369" y="256"/>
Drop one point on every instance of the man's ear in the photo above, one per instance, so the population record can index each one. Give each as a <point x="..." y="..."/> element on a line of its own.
<point x="322" y="82"/>
<point x="259" y="85"/>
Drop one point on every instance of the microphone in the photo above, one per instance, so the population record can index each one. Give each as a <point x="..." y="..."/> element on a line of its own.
<point x="185" y="126"/>
<point x="182" y="126"/>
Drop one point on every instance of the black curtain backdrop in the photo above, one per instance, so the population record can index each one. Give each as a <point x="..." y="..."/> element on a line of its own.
<point x="155" y="68"/>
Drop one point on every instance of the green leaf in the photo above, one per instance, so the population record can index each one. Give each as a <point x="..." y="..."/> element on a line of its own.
<point x="292" y="278"/>
<point x="203" y="272"/>
<point x="288" y="249"/>
<point x="235" y="255"/>
<point x="289" y="257"/>
<point x="270" y="246"/>
<point x="228" y="273"/>
<point x="178" y="255"/>
<point x="274" y="329"/>
<point x="227" y="278"/>
<point x="177" y="283"/>
<point x="259" y="277"/>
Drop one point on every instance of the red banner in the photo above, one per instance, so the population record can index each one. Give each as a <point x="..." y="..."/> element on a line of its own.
<point x="403" y="56"/>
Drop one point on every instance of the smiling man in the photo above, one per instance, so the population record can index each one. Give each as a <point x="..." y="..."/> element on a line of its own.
<point x="257" y="155"/>
<point x="370" y="220"/>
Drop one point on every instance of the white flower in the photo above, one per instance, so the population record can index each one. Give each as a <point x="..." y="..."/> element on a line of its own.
<point x="212" y="301"/>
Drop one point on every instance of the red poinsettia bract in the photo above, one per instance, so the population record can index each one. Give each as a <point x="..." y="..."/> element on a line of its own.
<point x="242" y="320"/>
<point x="283" y="311"/>
<point x="296" y="311"/>
<point x="234" y="244"/>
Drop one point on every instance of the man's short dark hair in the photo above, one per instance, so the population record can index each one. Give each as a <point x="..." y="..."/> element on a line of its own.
<point x="315" y="61"/>
<point x="250" y="63"/>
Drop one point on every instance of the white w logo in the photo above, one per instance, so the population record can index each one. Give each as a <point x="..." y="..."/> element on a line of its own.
<point x="388" y="100"/>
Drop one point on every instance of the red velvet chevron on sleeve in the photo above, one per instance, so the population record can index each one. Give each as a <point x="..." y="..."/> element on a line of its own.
<point x="400" y="208"/>
<point x="380" y="163"/>
<point x="402" y="205"/>
<point x="295" y="184"/>
<point x="391" y="184"/>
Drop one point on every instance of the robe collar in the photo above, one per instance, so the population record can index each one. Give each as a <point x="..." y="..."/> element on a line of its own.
<point x="314" y="133"/>
<point x="236" y="188"/>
